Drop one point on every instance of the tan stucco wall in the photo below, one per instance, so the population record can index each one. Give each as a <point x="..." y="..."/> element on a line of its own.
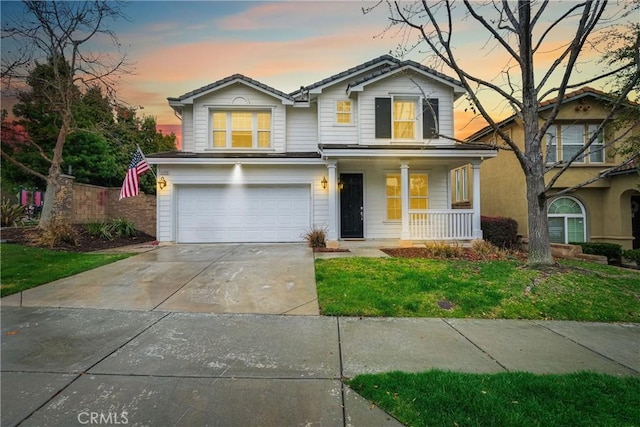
<point x="607" y="202"/>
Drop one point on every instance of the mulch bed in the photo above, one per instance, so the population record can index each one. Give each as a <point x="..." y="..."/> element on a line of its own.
<point x="85" y="241"/>
<point x="468" y="254"/>
<point x="330" y="250"/>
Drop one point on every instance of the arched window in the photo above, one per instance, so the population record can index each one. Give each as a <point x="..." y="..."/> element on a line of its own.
<point x="566" y="220"/>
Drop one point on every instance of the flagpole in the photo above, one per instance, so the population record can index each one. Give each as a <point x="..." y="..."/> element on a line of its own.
<point x="145" y="159"/>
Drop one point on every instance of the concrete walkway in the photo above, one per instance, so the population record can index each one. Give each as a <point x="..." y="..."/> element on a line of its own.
<point x="151" y="341"/>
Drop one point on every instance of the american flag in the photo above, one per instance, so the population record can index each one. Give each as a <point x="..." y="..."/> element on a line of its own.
<point x="137" y="167"/>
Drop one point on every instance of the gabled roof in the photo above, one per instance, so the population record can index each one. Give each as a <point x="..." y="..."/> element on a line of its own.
<point x="547" y="105"/>
<point x="359" y="84"/>
<point x="188" y="97"/>
<point x="380" y="67"/>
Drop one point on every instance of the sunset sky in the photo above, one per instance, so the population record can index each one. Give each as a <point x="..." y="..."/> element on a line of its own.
<point x="180" y="46"/>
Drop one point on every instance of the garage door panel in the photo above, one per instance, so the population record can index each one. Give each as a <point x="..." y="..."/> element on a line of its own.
<point x="242" y="213"/>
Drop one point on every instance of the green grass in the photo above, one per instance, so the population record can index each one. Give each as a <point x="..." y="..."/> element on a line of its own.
<point x="438" y="398"/>
<point x="25" y="267"/>
<point x="406" y="287"/>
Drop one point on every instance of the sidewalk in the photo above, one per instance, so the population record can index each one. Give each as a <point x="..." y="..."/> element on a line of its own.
<point x="61" y="366"/>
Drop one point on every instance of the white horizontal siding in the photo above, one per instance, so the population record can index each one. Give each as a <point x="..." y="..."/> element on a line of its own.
<point x="403" y="85"/>
<point x="188" y="143"/>
<point x="330" y="132"/>
<point x="250" y="174"/>
<point x="302" y="129"/>
<point x="237" y="95"/>
<point x="376" y="224"/>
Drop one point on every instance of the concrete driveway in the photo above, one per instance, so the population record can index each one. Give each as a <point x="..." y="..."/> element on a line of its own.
<point x="216" y="278"/>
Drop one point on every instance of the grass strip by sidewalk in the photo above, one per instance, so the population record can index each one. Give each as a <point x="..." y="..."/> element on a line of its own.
<point x="418" y="287"/>
<point x="438" y="398"/>
<point x="25" y="267"/>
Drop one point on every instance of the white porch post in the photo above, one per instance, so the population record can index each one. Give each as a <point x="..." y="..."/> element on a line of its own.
<point x="477" y="231"/>
<point x="405" y="235"/>
<point x="332" y="188"/>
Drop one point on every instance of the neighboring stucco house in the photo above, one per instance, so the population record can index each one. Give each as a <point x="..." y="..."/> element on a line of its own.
<point x="355" y="154"/>
<point x="607" y="210"/>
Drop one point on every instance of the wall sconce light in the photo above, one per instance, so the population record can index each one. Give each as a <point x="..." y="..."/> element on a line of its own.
<point x="162" y="182"/>
<point x="340" y="185"/>
<point x="324" y="183"/>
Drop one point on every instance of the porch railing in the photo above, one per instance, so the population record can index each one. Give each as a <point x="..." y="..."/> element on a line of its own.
<point x="445" y="224"/>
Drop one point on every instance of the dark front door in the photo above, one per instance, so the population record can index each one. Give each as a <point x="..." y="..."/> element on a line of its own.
<point x="635" y="221"/>
<point x="351" y="206"/>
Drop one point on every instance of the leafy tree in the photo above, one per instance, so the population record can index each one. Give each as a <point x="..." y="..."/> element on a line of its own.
<point x="518" y="35"/>
<point x="60" y="33"/>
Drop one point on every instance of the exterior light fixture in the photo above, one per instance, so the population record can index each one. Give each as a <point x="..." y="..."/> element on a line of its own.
<point x="340" y="185"/>
<point x="324" y="183"/>
<point x="162" y="182"/>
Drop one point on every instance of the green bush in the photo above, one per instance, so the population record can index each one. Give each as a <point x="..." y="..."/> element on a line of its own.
<point x="632" y="255"/>
<point x="10" y="213"/>
<point x="612" y="251"/>
<point x="123" y="227"/>
<point x="101" y="230"/>
<point x="499" y="231"/>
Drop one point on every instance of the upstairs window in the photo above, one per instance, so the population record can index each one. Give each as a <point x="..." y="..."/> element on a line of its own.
<point x="564" y="141"/>
<point x="400" y="118"/>
<point x="241" y="129"/>
<point x="343" y="112"/>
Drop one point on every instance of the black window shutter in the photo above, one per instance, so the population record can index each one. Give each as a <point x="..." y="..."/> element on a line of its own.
<point x="429" y="121"/>
<point x="383" y="117"/>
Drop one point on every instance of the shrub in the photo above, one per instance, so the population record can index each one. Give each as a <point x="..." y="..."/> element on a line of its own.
<point x="101" y="230"/>
<point x="612" y="251"/>
<point x="501" y="232"/>
<point x="486" y="250"/>
<point x="55" y="233"/>
<point x="632" y="255"/>
<point x="440" y="249"/>
<point x="316" y="237"/>
<point x="123" y="227"/>
<point x="10" y="213"/>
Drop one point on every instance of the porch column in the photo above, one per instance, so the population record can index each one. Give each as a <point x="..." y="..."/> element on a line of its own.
<point x="405" y="235"/>
<point x="477" y="231"/>
<point x="332" y="188"/>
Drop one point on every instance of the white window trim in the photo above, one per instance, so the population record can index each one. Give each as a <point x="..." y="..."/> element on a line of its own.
<point x="417" y="123"/>
<point x="582" y="215"/>
<point x="336" y="112"/>
<point x="254" y="137"/>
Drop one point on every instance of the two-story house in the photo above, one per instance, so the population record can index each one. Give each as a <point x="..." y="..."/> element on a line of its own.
<point x="357" y="154"/>
<point x="607" y="210"/>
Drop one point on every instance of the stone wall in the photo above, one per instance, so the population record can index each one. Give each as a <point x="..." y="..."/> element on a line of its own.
<point x="91" y="203"/>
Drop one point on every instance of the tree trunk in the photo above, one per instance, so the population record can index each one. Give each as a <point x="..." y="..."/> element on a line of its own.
<point x="539" y="245"/>
<point x="54" y="197"/>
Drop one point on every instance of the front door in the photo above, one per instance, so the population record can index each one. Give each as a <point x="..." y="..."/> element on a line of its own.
<point x="351" y="206"/>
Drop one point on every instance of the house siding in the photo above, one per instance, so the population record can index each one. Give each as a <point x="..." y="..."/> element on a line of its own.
<point x="302" y="129"/>
<point x="403" y="85"/>
<point x="330" y="132"/>
<point x="251" y="174"/>
<point x="188" y="141"/>
<point x="237" y="95"/>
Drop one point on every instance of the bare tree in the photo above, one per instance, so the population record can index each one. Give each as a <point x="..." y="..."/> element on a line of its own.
<point x="522" y="31"/>
<point x="61" y="34"/>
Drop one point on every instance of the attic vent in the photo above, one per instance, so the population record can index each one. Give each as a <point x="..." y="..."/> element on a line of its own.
<point x="240" y="100"/>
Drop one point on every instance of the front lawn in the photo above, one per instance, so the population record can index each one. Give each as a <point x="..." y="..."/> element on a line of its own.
<point x="437" y="398"/>
<point x="25" y="267"/>
<point x="418" y="287"/>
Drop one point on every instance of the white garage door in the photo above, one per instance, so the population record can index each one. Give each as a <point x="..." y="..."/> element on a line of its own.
<point x="242" y="213"/>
